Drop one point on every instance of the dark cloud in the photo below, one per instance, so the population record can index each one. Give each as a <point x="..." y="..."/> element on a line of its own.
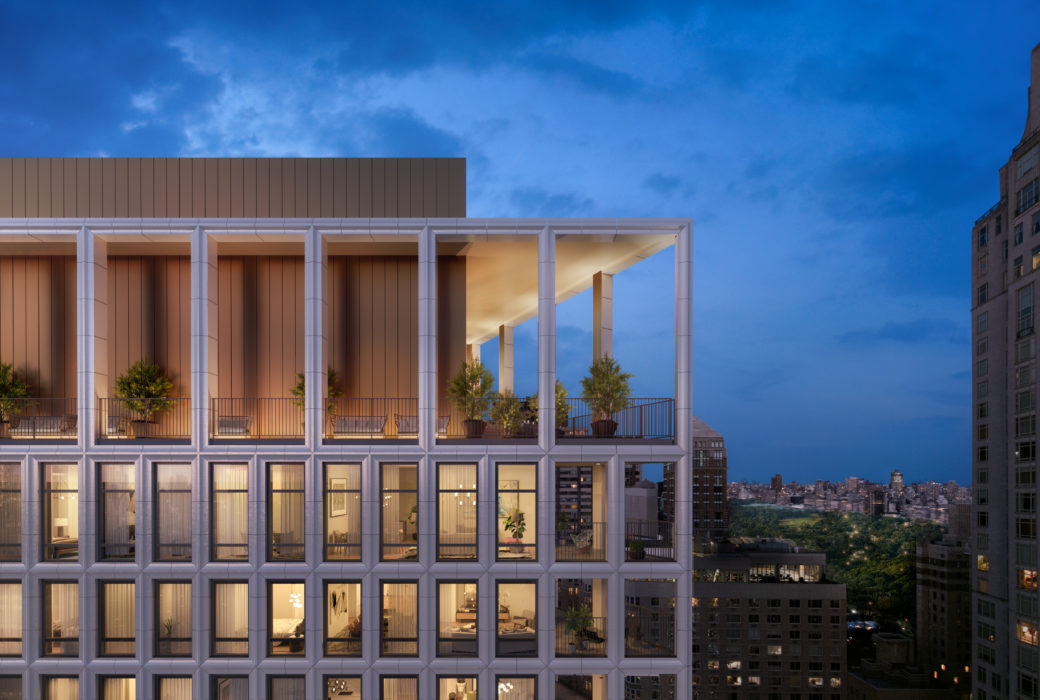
<point x="918" y="331"/>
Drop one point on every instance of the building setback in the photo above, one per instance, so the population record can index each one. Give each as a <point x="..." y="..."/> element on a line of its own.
<point x="308" y="515"/>
<point x="1005" y="257"/>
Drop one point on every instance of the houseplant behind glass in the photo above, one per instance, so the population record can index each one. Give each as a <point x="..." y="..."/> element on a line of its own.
<point x="471" y="390"/>
<point x="606" y="390"/>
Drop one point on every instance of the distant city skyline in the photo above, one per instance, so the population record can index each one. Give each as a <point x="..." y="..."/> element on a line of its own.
<point x="832" y="157"/>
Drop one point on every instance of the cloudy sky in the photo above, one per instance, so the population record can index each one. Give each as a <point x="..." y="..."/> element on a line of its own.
<point x="833" y="157"/>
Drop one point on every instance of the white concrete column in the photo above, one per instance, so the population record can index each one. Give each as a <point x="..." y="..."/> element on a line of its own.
<point x="472" y="351"/>
<point x="315" y="272"/>
<point x="546" y="339"/>
<point x="91" y="331"/>
<point x="427" y="339"/>
<point x="602" y="315"/>
<point x="505" y="358"/>
<point x="204" y="321"/>
<point x="684" y="439"/>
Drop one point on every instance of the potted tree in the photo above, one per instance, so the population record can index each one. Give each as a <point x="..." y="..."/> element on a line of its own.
<point x="563" y="409"/>
<point x="144" y="389"/>
<point x="12" y="389"/>
<point x="299" y="391"/>
<point x="512" y="414"/>
<point x="578" y="621"/>
<point x="471" y="390"/>
<point x="514" y="524"/>
<point x="636" y="550"/>
<point x="606" y="390"/>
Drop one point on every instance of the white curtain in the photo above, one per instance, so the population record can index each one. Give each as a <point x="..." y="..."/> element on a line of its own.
<point x="175" y="610"/>
<point x="117" y="483"/>
<point x="232" y="689"/>
<point x="119" y="689"/>
<point x="173" y="486"/>
<point x="10" y="511"/>
<point x="400" y="525"/>
<point x="287" y="509"/>
<point x="231" y="510"/>
<point x="62" y="688"/>
<point x="457" y="486"/>
<point x="64" y="610"/>
<point x="175" y="689"/>
<point x="231" y="608"/>
<point x="119" y="615"/>
<point x="516" y="688"/>
<point x="399" y="605"/>
<point x="400" y="689"/>
<point x="288" y="688"/>
<point x="11" y="618"/>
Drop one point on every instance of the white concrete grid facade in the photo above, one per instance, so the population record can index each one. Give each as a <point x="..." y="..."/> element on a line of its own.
<point x="91" y="237"/>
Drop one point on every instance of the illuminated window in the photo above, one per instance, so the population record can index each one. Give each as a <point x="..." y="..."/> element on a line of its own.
<point x="173" y="688"/>
<point x="60" y="511"/>
<point x="1027" y="579"/>
<point x="117" y="688"/>
<point x="230" y="511"/>
<point x="517" y="511"/>
<point x="230" y="619"/>
<point x="1027" y="632"/>
<point x="400" y="615"/>
<point x="11" y="619"/>
<point x="285" y="619"/>
<point x="456" y="618"/>
<point x="399" y="515"/>
<point x="456" y="511"/>
<point x="60" y="687"/>
<point x="342" y="512"/>
<point x="10" y="512"/>
<point x="285" y="512"/>
<point x="517" y="624"/>
<point x="172" y="512"/>
<point x="60" y="618"/>
<point x="116" y="600"/>
<point x="173" y="618"/>
<point x="116" y="485"/>
<point x="343" y="618"/>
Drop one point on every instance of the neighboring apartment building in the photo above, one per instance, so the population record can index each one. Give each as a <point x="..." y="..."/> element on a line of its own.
<point x="1005" y="259"/>
<point x="944" y="604"/>
<point x="766" y="623"/>
<point x="306" y="516"/>
<point x="710" y="503"/>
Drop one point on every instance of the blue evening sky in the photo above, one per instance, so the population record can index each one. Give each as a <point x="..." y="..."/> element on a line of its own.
<point x="833" y="156"/>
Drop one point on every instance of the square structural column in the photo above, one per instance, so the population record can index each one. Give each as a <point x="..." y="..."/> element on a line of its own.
<point x="92" y="329"/>
<point x="427" y="339"/>
<point x="505" y="358"/>
<point x="204" y="320"/>
<point x="602" y="315"/>
<point x="315" y="309"/>
<point x="546" y="339"/>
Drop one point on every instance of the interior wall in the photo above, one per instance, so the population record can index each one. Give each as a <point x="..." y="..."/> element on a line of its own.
<point x="451" y="322"/>
<point x="149" y="307"/>
<point x="38" y="321"/>
<point x="261" y="325"/>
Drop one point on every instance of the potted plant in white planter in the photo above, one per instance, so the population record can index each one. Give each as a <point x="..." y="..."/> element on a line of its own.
<point x="144" y="389"/>
<point x="471" y="390"/>
<point x="606" y="390"/>
<point x="12" y="389"/>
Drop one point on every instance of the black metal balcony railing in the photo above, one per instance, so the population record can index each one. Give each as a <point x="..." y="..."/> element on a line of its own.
<point x="256" y="419"/>
<point x="153" y="419"/>
<point x="38" y="418"/>
<point x="581" y="542"/>
<point x="643" y="419"/>
<point x="510" y="418"/>
<point x="591" y="641"/>
<point x="651" y="540"/>
<point x="370" y="418"/>
<point x="649" y="633"/>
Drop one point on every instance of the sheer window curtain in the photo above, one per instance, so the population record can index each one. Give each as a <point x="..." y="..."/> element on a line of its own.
<point x="62" y="601"/>
<point x="231" y="610"/>
<point x="516" y="688"/>
<point x="287" y="509"/>
<point x="230" y="511"/>
<point x="288" y="688"/>
<point x="231" y="689"/>
<point x="119" y="689"/>
<point x="400" y="689"/>
<point x="174" y="510"/>
<point x="174" y="617"/>
<point x="10" y="619"/>
<point x="175" y="689"/>
<point x="457" y="486"/>
<point x="118" y="493"/>
<point x="63" y="688"/>
<point x="119" y="618"/>
<point x="399" y="609"/>
<point x="10" y="512"/>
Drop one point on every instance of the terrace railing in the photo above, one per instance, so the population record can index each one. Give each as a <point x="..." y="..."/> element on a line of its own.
<point x="372" y="418"/>
<point x="581" y="542"/>
<point x="643" y="419"/>
<point x="649" y="633"/>
<point x="651" y="540"/>
<point x="588" y="642"/>
<point x="130" y="419"/>
<point x="38" y="418"/>
<point x="256" y="419"/>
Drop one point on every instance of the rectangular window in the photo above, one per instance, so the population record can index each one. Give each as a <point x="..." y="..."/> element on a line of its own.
<point x="982" y="368"/>
<point x="1027" y="196"/>
<point x="1019" y="267"/>
<point x="60" y="511"/>
<point x="116" y="484"/>
<point x="11" y="619"/>
<point x="399" y="687"/>
<point x="231" y="688"/>
<point x="982" y="453"/>
<point x="983" y="236"/>
<point x="1027" y="579"/>
<point x="1025" y="502"/>
<point x="1025" y="477"/>
<point x="173" y="618"/>
<point x="982" y="518"/>
<point x="400" y="615"/>
<point x="982" y="345"/>
<point x="11" y="687"/>
<point x="1025" y="401"/>
<point x="285" y="619"/>
<point x="517" y="511"/>
<point x="456" y="511"/>
<point x="343" y="686"/>
<point x="1018" y="233"/>
<point x="10" y="512"/>
<point x="1025" y="555"/>
<point x="1025" y="426"/>
<point x="60" y="618"/>
<point x="116" y="613"/>
<point x="399" y="516"/>
<point x="1025" y="528"/>
<point x="1026" y="451"/>
<point x="1027" y="632"/>
<point x="1025" y="349"/>
<point x="982" y="431"/>
<point x="342" y="512"/>
<point x="230" y="618"/>
<point x="286" y="687"/>
<point x="230" y="516"/>
<point x="1035" y="224"/>
<point x="1036" y="257"/>
<point x="60" y="687"/>
<point x="342" y="618"/>
<point x="983" y="294"/>
<point x="173" y="688"/>
<point x="983" y="264"/>
<point x="456" y="618"/>
<point x="982" y="322"/>
<point x="172" y="512"/>
<point x="117" y="688"/>
<point x="982" y="389"/>
<point x="285" y="512"/>
<point x="1025" y="311"/>
<point x="517" y="624"/>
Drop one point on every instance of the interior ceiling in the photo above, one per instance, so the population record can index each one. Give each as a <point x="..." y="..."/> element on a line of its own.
<point x="502" y="273"/>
